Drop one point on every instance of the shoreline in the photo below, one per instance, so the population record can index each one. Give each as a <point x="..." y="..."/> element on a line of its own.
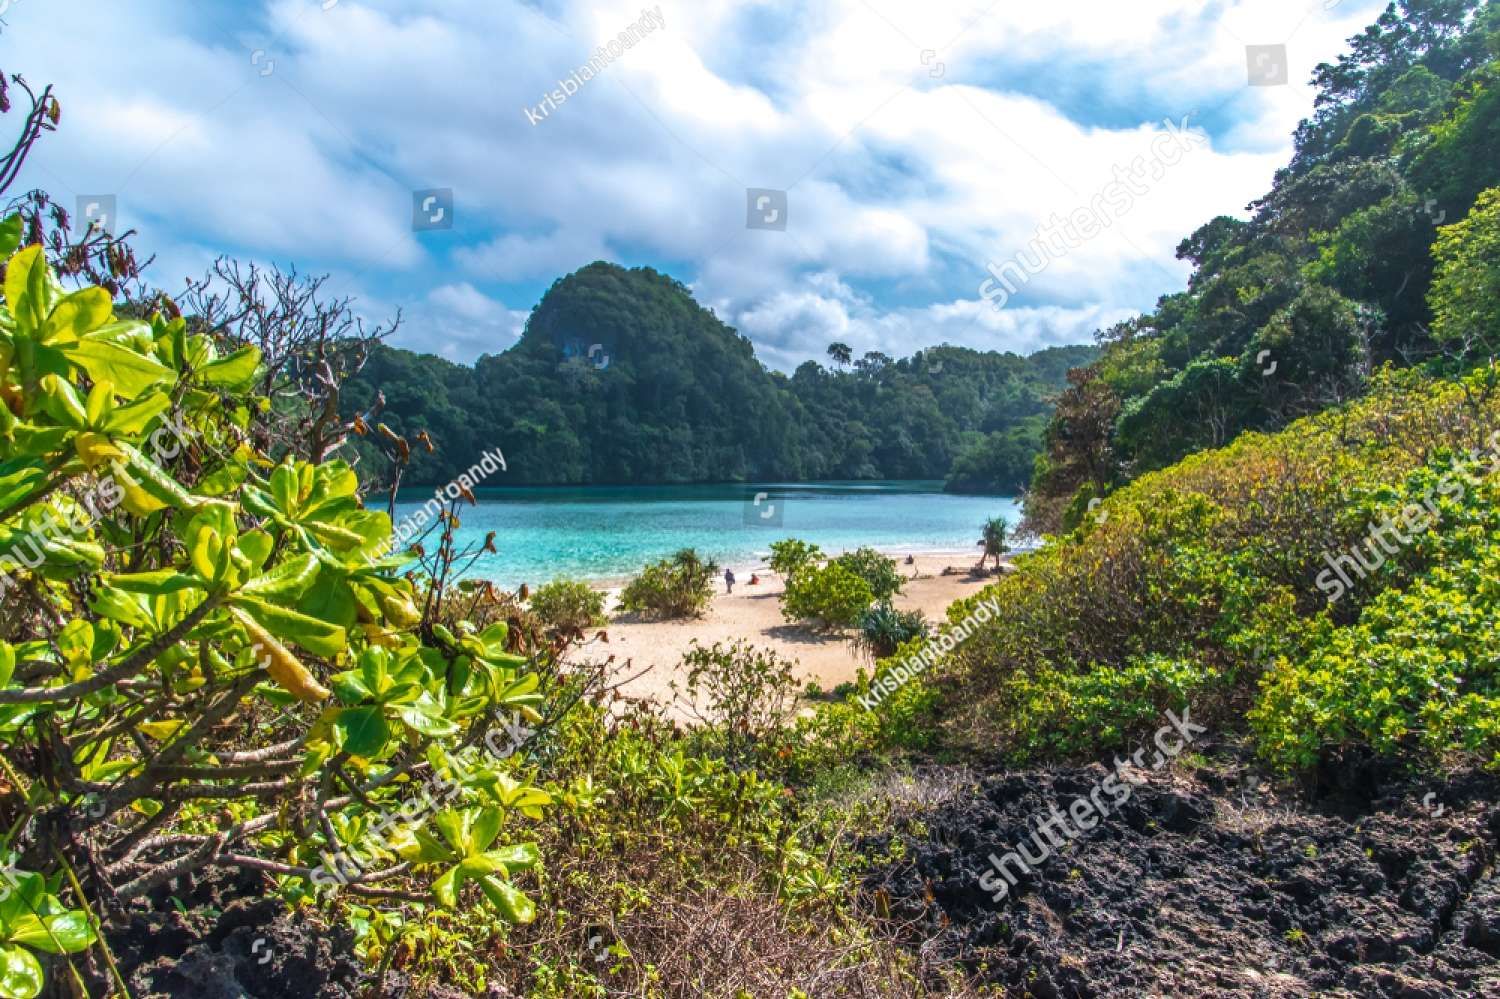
<point x="935" y="579"/>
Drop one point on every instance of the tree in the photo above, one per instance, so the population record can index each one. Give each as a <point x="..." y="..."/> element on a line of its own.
<point x="312" y="346"/>
<point x="1466" y="290"/>
<point x="840" y="353"/>
<point x="994" y="540"/>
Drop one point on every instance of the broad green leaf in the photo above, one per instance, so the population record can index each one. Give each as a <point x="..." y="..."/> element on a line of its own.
<point x="131" y="371"/>
<point x="157" y="583"/>
<point x="27" y="292"/>
<point x="134" y="417"/>
<point x="287" y="581"/>
<point x="64" y="933"/>
<point x="510" y="900"/>
<point x="10" y="235"/>
<point x="363" y="731"/>
<point x="62" y="402"/>
<point x="519" y="857"/>
<point x="325" y="639"/>
<point x="285" y="489"/>
<point x="74" y="315"/>
<point x="425" y="722"/>
<point x="147" y="477"/>
<point x="20" y="973"/>
<point x="7" y="662"/>
<point x="204" y="552"/>
<point x="233" y="371"/>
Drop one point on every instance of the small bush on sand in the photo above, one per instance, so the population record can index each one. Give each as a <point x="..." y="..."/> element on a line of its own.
<point x="567" y="606"/>
<point x="680" y="586"/>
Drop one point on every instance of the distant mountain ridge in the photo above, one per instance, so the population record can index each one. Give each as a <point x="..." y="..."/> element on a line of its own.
<point x="621" y="378"/>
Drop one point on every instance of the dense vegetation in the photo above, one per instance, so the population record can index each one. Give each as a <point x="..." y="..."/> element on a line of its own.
<point x="1249" y="584"/>
<point x="620" y="377"/>
<point x="215" y="709"/>
<point x="1333" y="274"/>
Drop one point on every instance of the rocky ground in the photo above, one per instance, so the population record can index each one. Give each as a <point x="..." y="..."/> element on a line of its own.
<point x="1209" y="881"/>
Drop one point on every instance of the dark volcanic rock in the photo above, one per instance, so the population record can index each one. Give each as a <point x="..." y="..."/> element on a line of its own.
<point x="1206" y="883"/>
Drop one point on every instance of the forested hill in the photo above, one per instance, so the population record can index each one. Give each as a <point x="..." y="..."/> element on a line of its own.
<point x="1376" y="244"/>
<point x="621" y="377"/>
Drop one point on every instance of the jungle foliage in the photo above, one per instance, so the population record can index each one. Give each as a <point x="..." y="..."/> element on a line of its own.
<point x="1375" y="245"/>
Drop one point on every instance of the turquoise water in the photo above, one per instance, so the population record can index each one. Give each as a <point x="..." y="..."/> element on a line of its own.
<point x="608" y="532"/>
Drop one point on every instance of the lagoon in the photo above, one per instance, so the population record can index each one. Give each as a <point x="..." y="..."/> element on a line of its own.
<point x="608" y="532"/>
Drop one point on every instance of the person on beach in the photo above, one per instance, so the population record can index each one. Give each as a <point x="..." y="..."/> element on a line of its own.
<point x="728" y="580"/>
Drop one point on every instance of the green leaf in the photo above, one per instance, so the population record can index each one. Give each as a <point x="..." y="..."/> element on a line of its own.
<point x="64" y="933"/>
<point x="363" y="731"/>
<point x="157" y="583"/>
<point x="316" y="636"/>
<point x="26" y="289"/>
<point x="155" y="483"/>
<point x="10" y="235"/>
<point x="20" y="973"/>
<point x="233" y="371"/>
<point x="287" y="581"/>
<point x="136" y="416"/>
<point x="520" y="857"/>
<point x="131" y="371"/>
<point x="62" y="402"/>
<point x="75" y="315"/>
<point x="426" y="722"/>
<point x="7" y="662"/>
<point x="510" y="900"/>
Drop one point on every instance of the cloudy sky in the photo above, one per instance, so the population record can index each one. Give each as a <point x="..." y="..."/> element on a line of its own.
<point x="917" y="141"/>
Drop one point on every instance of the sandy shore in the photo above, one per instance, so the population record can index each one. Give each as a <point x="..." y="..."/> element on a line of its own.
<point x="754" y="613"/>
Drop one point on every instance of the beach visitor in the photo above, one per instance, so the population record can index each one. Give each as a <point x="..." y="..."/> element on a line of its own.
<point x="728" y="580"/>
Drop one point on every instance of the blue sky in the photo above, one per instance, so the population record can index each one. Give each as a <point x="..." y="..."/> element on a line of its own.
<point x="917" y="141"/>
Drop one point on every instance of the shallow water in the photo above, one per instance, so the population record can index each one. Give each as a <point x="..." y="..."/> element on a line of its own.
<point x="608" y="532"/>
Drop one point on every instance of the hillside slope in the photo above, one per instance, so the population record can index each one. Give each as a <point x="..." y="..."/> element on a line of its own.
<point x="621" y="377"/>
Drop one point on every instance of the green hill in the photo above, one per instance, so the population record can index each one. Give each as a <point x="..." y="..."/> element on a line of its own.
<point x="621" y="377"/>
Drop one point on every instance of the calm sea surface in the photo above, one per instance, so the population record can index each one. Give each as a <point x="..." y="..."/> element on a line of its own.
<point x="604" y="532"/>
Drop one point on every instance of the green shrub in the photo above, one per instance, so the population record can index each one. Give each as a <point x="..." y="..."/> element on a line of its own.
<point x="883" y="629"/>
<point x="175" y="600"/>
<point x="567" y="606"/>
<point x="1418" y="673"/>
<point x="831" y="594"/>
<point x="790" y="555"/>
<point x="744" y="696"/>
<point x="1215" y="572"/>
<point x="681" y="586"/>
<point x="884" y="579"/>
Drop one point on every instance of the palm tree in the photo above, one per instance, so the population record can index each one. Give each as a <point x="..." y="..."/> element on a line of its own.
<point x="994" y="531"/>
<point x="840" y="353"/>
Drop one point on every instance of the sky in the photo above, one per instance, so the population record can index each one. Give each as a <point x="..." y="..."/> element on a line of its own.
<point x="814" y="171"/>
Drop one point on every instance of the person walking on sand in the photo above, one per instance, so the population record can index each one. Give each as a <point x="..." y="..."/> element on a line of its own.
<point x="728" y="580"/>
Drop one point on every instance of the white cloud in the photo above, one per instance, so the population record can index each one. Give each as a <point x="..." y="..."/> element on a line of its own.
<point x="905" y="175"/>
